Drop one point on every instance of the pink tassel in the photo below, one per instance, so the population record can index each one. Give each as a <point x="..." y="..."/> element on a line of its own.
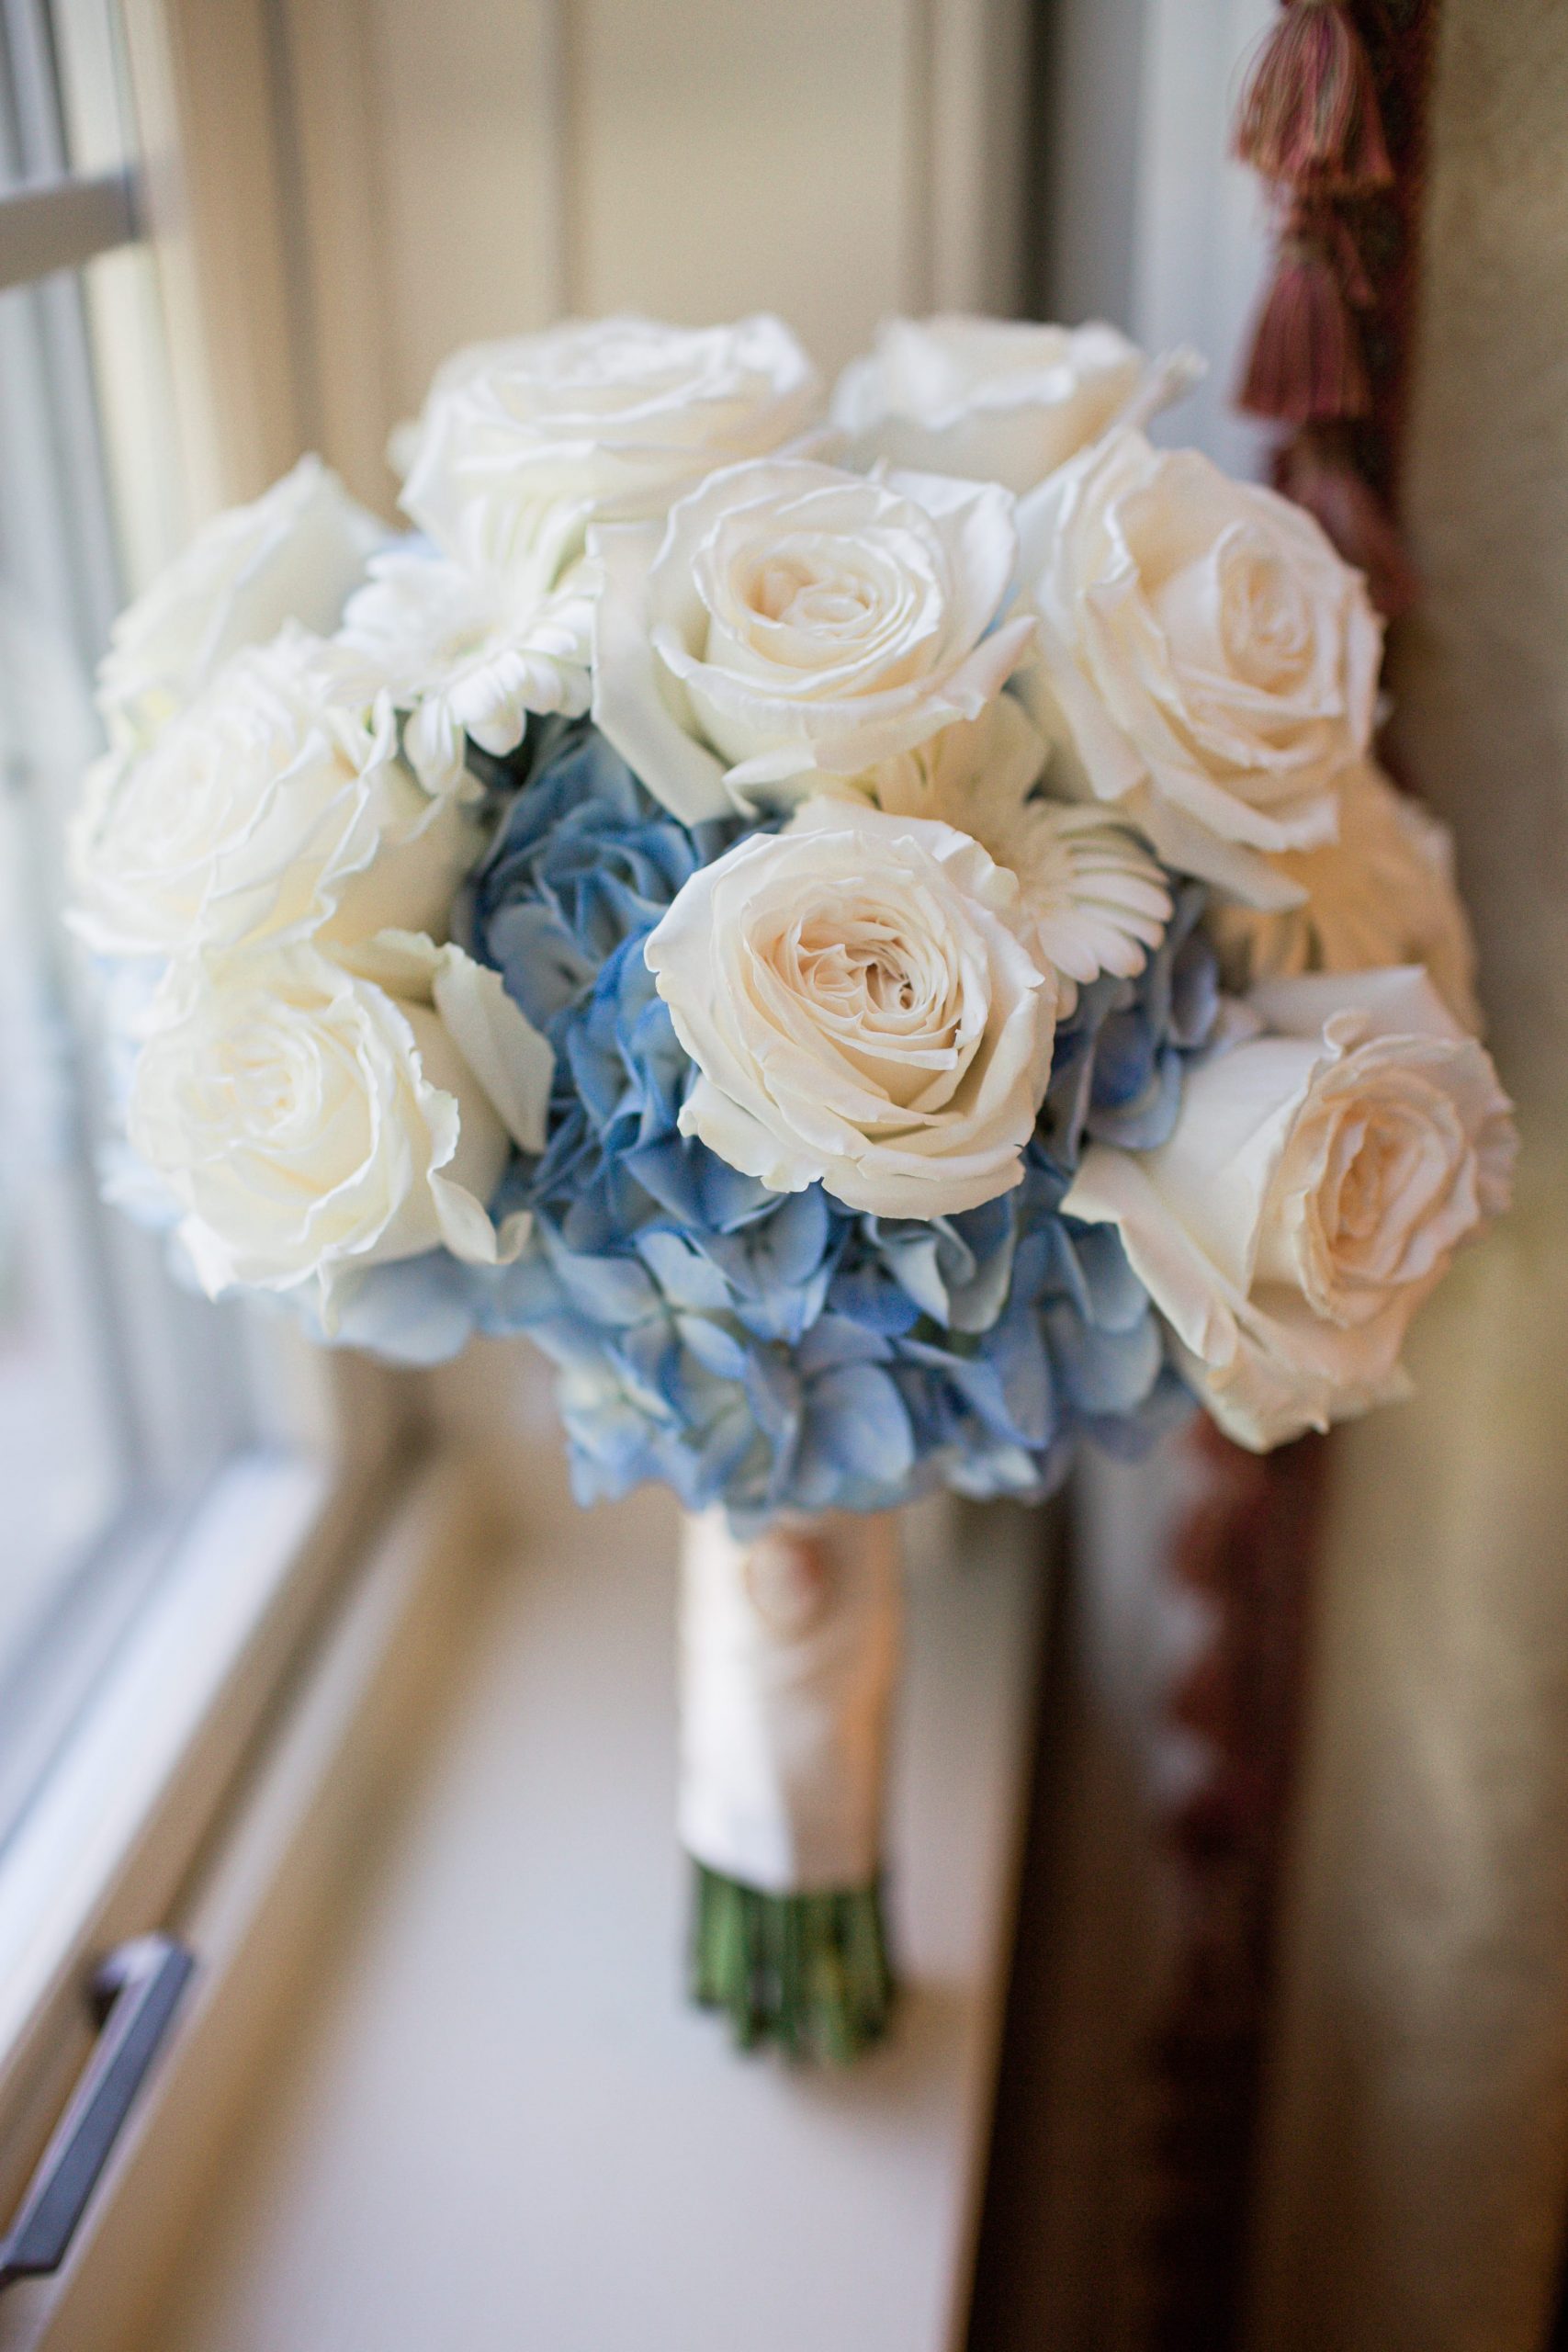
<point x="1322" y="223"/>
<point x="1309" y="114"/>
<point x="1306" y="360"/>
<point x="1320" y="478"/>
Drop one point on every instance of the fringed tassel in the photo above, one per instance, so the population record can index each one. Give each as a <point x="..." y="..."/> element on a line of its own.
<point x="1306" y="357"/>
<point x="1309" y="114"/>
<point x="1318" y="475"/>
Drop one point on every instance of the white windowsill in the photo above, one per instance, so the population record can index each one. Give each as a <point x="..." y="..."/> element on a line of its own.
<point x="494" y="2123"/>
<point x="99" y="1850"/>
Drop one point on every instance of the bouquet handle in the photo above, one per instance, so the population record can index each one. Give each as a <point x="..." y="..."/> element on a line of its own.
<point x="788" y="1654"/>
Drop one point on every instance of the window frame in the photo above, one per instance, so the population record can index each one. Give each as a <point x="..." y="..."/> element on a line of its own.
<point x="64" y="222"/>
<point x="134" y="1801"/>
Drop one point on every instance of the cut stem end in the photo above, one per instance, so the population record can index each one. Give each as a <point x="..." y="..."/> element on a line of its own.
<point x="807" y="1973"/>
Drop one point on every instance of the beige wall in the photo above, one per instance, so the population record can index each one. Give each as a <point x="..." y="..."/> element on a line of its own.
<point x="482" y="166"/>
<point x="1422" y="2147"/>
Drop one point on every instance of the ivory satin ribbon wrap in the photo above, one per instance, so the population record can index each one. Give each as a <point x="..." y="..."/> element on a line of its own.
<point x="788" y="1651"/>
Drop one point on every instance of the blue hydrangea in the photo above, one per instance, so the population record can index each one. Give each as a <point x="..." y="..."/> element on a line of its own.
<point x="582" y="859"/>
<point x="772" y="1351"/>
<point x="1116" y="1063"/>
<point x="1074" y="1345"/>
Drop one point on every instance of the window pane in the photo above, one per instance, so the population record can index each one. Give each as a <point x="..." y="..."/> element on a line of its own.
<point x="63" y="1444"/>
<point x="119" y="1392"/>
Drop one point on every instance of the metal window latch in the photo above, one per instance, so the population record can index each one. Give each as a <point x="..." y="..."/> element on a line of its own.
<point x="135" y="1995"/>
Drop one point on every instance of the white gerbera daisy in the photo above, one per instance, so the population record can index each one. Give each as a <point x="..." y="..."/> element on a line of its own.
<point x="470" y="654"/>
<point x="1094" y="896"/>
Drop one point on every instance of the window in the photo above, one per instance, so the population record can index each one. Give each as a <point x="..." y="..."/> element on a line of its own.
<point x="119" y="1395"/>
<point x="182" y="1487"/>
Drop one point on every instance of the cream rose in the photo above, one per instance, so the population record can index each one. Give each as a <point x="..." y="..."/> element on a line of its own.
<point x="1317" y="1182"/>
<point x="1384" y="893"/>
<point x="294" y="554"/>
<point x="1092" y="898"/>
<point x="793" y="619"/>
<point x="610" y="419"/>
<point x="1206" y="660"/>
<point x="310" y="1125"/>
<point x="274" y="807"/>
<point x="861" y="1011"/>
<point x="996" y="400"/>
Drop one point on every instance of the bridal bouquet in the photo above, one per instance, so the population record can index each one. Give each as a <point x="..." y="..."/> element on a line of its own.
<point x="869" y="927"/>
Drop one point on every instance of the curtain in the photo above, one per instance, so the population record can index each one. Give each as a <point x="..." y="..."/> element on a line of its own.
<point x="1417" y="2173"/>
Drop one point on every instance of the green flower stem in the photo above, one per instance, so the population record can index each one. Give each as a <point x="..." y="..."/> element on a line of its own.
<point x="808" y="1972"/>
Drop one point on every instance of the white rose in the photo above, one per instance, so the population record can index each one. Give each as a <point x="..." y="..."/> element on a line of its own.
<point x="793" y="619"/>
<point x="1207" y="662"/>
<point x="470" y="654"/>
<point x="310" y="1125"/>
<point x="274" y="807"/>
<point x="610" y="419"/>
<point x="1091" y="898"/>
<point x="294" y="554"/>
<point x="996" y="400"/>
<point x="1384" y="893"/>
<point x="511" y="1061"/>
<point x="860" y="1010"/>
<point x="1317" y="1182"/>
